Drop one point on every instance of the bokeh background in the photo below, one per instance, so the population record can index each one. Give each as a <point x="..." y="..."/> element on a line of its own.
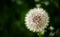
<point x="12" y="15"/>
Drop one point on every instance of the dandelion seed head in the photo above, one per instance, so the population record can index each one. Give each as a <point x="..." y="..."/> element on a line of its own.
<point x="36" y="19"/>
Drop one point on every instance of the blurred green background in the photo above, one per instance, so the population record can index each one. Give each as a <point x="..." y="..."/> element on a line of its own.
<point x="12" y="15"/>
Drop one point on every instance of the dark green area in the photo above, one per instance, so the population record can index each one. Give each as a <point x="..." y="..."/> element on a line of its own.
<point x="12" y="15"/>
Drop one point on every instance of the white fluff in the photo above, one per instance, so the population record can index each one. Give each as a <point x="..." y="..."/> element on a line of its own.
<point x="36" y="20"/>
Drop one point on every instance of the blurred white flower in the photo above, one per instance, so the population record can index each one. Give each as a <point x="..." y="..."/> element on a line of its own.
<point x="46" y="3"/>
<point x="36" y="20"/>
<point x="51" y="28"/>
<point x="38" y="5"/>
<point x="51" y="34"/>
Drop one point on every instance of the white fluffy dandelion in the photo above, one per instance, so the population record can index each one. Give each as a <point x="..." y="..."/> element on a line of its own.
<point x="36" y="20"/>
